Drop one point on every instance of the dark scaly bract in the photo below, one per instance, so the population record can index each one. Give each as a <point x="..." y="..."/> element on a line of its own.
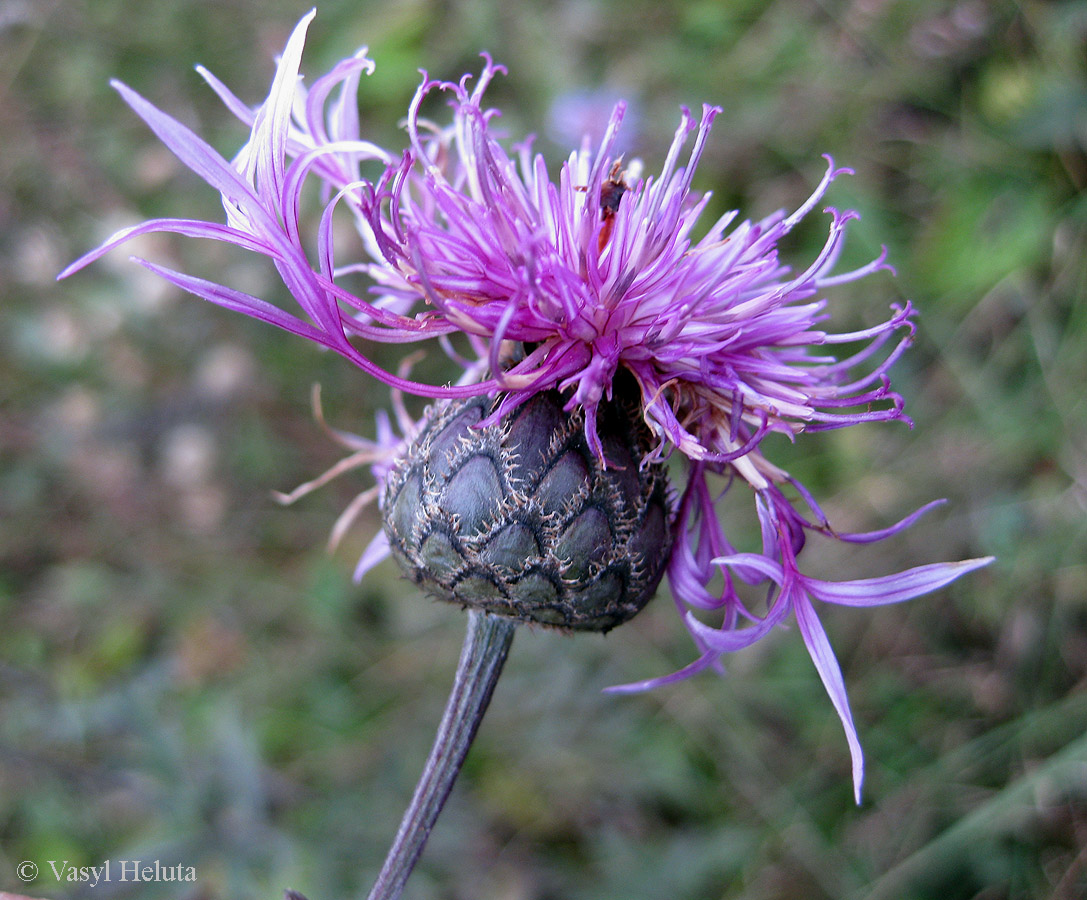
<point x="522" y="520"/>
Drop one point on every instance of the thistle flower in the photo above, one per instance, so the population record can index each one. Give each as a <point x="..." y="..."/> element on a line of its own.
<point x="577" y="294"/>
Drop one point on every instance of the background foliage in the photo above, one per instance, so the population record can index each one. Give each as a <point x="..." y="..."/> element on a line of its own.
<point x="187" y="675"/>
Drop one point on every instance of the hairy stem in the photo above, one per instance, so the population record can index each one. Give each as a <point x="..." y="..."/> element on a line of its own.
<point x="486" y="645"/>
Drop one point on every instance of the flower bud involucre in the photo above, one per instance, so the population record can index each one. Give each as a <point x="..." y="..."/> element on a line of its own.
<point x="521" y="519"/>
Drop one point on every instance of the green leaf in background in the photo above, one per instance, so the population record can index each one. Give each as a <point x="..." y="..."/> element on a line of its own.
<point x="981" y="232"/>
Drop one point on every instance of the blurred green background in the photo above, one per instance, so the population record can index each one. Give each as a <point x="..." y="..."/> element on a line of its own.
<point x="187" y="675"/>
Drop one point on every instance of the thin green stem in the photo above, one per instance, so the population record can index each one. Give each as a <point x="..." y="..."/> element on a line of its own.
<point x="486" y="645"/>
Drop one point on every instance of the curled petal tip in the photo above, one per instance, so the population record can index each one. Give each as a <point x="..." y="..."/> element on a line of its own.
<point x="835" y="172"/>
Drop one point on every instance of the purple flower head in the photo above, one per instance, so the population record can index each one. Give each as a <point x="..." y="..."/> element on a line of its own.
<point x="564" y="283"/>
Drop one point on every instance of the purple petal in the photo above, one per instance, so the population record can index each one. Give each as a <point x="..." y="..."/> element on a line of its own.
<point x="230" y="100"/>
<point x="893" y="588"/>
<point x="376" y="551"/>
<point x="188" y="227"/>
<point x="731" y="639"/>
<point x="705" y="661"/>
<point x="831" y="674"/>
<point x="199" y="156"/>
<point x="754" y="563"/>
<point x="868" y="537"/>
<point x="239" y="301"/>
<point x="273" y="120"/>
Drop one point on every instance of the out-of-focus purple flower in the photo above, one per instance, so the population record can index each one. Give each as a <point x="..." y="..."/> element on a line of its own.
<point x="580" y="115"/>
<point x="563" y="283"/>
